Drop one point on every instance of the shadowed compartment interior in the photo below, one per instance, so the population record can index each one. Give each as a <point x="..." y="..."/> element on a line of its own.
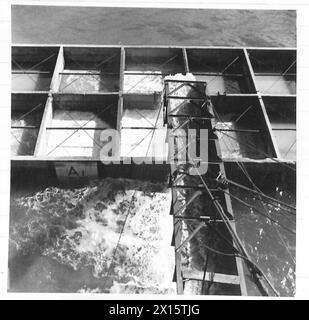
<point x="145" y="68"/>
<point x="275" y="71"/>
<point x="33" y="67"/>
<point x="90" y="70"/>
<point x="75" y="125"/>
<point x="26" y="116"/>
<point x="241" y="128"/>
<point x="225" y="71"/>
<point x="282" y="115"/>
<point x="143" y="133"/>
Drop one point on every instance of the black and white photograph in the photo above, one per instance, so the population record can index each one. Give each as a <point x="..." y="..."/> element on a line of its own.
<point x="153" y="151"/>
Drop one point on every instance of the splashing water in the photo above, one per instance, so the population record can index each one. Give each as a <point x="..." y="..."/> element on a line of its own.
<point x="79" y="229"/>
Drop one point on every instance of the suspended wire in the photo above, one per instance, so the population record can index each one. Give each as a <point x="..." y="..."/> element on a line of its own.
<point x="261" y="193"/>
<point x="243" y="169"/>
<point x="119" y="238"/>
<point x="33" y="80"/>
<point x="292" y="145"/>
<point x="93" y="67"/>
<point x="241" y="166"/>
<point x="284" y="213"/>
<point x="68" y="137"/>
<point x="240" y="244"/>
<point x="238" y="254"/>
<point x="22" y="144"/>
<point x="236" y="239"/>
<point x="149" y="132"/>
<point x="148" y="75"/>
<point x="282" y="74"/>
<point x="252" y="147"/>
<point x="222" y="72"/>
<point x="28" y="112"/>
<point x="139" y="113"/>
<point x="82" y="128"/>
<point x="275" y="226"/>
<point x="257" y="210"/>
<point x="260" y="151"/>
<point x="235" y="236"/>
<point x="154" y="128"/>
<point x="34" y="66"/>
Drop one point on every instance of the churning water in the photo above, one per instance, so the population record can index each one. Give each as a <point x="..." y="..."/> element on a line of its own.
<point x="65" y="240"/>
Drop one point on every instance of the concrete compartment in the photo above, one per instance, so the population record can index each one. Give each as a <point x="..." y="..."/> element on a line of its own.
<point x="90" y="70"/>
<point x="275" y="71"/>
<point x="282" y="115"/>
<point x="26" y="117"/>
<point x="75" y="125"/>
<point x="33" y="67"/>
<point x="143" y="133"/>
<point x="223" y="70"/>
<point x="145" y="68"/>
<point x="241" y="128"/>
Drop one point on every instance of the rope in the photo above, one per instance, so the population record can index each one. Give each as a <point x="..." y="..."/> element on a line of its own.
<point x="119" y="238"/>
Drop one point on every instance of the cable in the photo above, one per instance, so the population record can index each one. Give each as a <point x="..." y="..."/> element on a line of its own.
<point x="275" y="226"/>
<point x="68" y="137"/>
<point x="148" y="75"/>
<point x="66" y="112"/>
<point x="235" y="237"/>
<point x="119" y="238"/>
<point x="154" y="128"/>
<point x="252" y="147"/>
<point x="289" y="149"/>
<point x="243" y="169"/>
<point x="282" y="74"/>
<point x="136" y="110"/>
<point x="260" y="193"/>
<point x="259" y="151"/>
<point x="224" y="69"/>
<point x="95" y="66"/>
<point x="237" y="240"/>
<point x="257" y="210"/>
<point x="28" y="112"/>
<point x="34" y="66"/>
<point x="20" y="67"/>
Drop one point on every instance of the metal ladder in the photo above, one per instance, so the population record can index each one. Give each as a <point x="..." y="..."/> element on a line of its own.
<point x="198" y="101"/>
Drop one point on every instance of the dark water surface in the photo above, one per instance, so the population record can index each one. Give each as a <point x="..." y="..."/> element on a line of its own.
<point x="147" y="26"/>
<point x="60" y="242"/>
